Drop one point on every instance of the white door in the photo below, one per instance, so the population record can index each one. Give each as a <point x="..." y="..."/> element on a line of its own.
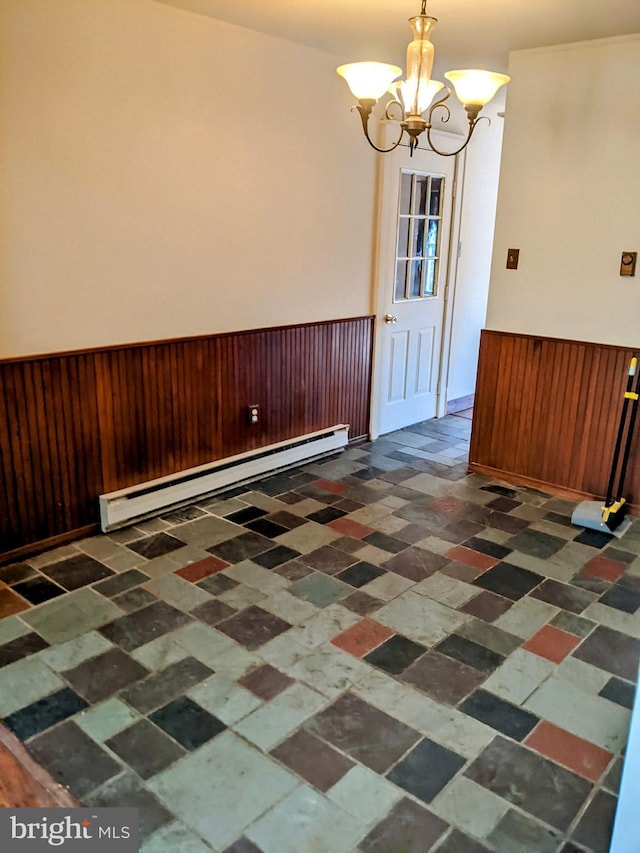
<point x="415" y="266"/>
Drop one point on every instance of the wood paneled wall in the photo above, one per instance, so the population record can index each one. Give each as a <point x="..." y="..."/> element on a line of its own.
<point x="76" y="425"/>
<point x="546" y="413"/>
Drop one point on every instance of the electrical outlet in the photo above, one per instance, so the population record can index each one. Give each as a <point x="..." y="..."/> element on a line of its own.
<point x="253" y="414"/>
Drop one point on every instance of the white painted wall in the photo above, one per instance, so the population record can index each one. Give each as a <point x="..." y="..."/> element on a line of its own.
<point x="569" y="195"/>
<point x="165" y="174"/>
<point x="625" y="829"/>
<point x="480" y="191"/>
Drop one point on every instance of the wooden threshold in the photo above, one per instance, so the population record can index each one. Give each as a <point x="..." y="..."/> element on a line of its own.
<point x="23" y="783"/>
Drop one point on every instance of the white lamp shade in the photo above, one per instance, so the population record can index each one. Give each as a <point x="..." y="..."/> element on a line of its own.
<point x="369" y="80"/>
<point x="476" y="87"/>
<point x="426" y="94"/>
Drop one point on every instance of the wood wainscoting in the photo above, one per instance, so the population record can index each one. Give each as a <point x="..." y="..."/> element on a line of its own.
<point x="76" y="425"/>
<point x="546" y="414"/>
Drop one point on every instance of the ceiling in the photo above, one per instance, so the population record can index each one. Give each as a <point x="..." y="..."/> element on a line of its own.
<point x="469" y="34"/>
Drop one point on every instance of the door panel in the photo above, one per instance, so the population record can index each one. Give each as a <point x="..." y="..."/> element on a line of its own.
<point x="398" y="366"/>
<point x="424" y="373"/>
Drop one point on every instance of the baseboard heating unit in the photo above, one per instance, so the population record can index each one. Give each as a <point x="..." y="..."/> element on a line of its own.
<point x="126" y="506"/>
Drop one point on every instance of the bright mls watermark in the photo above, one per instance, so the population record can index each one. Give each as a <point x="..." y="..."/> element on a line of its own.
<point x="71" y="830"/>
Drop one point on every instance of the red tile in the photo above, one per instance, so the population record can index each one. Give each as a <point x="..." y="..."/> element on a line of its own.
<point x="350" y="528"/>
<point x="601" y="567"/>
<point x="195" y="572"/>
<point x="471" y="558"/>
<point x="551" y="643"/>
<point x="330" y="486"/>
<point x="362" y="637"/>
<point x="448" y="503"/>
<point x="584" y="758"/>
<point x="11" y="602"/>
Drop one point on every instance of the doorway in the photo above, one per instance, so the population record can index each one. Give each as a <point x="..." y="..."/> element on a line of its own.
<point x="418" y="225"/>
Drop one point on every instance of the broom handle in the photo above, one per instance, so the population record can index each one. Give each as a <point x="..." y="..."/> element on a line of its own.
<point x="623" y="418"/>
<point x="633" y="396"/>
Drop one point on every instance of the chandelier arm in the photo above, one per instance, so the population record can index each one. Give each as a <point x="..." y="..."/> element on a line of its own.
<point x="389" y="106"/>
<point x="441" y="104"/>
<point x="364" y="118"/>
<point x="472" y="127"/>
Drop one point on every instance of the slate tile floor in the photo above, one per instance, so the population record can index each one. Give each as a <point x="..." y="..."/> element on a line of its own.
<point x="376" y="652"/>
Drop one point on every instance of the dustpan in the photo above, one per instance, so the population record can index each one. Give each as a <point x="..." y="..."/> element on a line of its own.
<point x="610" y="517"/>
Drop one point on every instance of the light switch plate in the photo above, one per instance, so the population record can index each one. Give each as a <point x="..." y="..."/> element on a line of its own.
<point x="512" y="258"/>
<point x="628" y="263"/>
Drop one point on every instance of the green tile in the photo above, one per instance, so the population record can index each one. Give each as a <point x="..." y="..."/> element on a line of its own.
<point x="271" y="723"/>
<point x="206" y="531"/>
<point x="175" y="837"/>
<point x="489" y="636"/>
<point x="320" y="589"/>
<point x="74" y="652"/>
<point x="329" y="670"/>
<point x="469" y="806"/>
<point x="204" y="643"/>
<point x="319" y="824"/>
<point x="224" y="698"/>
<point x="241" y="782"/>
<point x="71" y="615"/>
<point x="106" y="719"/>
<point x="364" y="794"/>
<point x="520" y="674"/>
<point x="24" y="682"/>
<point x="516" y="831"/>
<point x="576" y="625"/>
<point x="161" y="652"/>
<point x="11" y="628"/>
<point x="583" y="714"/>
<point x="177" y="592"/>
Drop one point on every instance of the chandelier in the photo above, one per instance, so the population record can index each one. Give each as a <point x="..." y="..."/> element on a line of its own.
<point x="411" y="102"/>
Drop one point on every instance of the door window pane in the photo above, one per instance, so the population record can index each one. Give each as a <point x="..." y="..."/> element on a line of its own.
<point x="401" y="277"/>
<point x="430" y="272"/>
<point x="434" y="201"/>
<point x="403" y="237"/>
<point x="405" y="193"/>
<point x="415" y="281"/>
<point x="417" y="245"/>
<point x="421" y="195"/>
<point x="432" y="237"/>
<point x="419" y="229"/>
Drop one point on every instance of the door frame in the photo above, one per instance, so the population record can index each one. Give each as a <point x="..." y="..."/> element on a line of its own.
<point x="380" y="286"/>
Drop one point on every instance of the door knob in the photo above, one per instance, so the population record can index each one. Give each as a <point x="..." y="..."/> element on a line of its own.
<point x="390" y="318"/>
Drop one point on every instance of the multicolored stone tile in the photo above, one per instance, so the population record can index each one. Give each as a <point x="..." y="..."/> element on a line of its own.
<point x="407" y="827"/>
<point x="374" y="652"/>
<point x="584" y="758"/>
<point x="362" y="637"/>
<point x="551" y="643"/>
<point x="540" y="787"/>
